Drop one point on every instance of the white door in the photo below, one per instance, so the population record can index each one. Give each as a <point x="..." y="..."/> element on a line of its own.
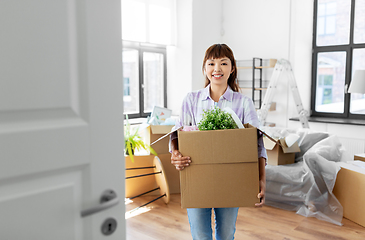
<point x="61" y="119"/>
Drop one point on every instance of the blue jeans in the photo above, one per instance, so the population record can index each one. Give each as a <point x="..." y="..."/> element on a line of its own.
<point x="201" y="225"/>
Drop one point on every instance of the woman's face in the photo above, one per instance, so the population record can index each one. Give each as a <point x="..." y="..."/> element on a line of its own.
<point x="218" y="70"/>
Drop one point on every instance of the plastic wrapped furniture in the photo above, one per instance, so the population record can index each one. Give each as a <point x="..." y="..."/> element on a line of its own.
<point x="306" y="186"/>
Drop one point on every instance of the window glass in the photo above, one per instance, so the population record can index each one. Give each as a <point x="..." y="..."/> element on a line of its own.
<point x="359" y="28"/>
<point x="131" y="81"/>
<point x="357" y="104"/>
<point x="333" y="22"/>
<point x="331" y="71"/>
<point x="153" y="75"/>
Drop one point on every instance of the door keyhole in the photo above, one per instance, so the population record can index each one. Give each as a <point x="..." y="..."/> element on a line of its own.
<point x="109" y="226"/>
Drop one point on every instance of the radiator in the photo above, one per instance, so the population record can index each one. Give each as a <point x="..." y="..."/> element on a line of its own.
<point x="353" y="146"/>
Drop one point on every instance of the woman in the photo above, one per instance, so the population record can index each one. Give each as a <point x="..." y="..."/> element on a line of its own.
<point x="221" y="89"/>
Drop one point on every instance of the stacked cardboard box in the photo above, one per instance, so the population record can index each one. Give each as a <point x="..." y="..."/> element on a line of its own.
<point x="153" y="133"/>
<point x="224" y="168"/>
<point x="139" y="185"/>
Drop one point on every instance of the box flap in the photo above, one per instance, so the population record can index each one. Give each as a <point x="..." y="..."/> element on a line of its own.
<point x="160" y="129"/>
<point x="220" y="146"/>
<point x="294" y="148"/>
<point x="269" y="144"/>
<point x="166" y="135"/>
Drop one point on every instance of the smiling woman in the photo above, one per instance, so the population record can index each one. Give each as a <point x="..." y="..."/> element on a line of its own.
<point x="221" y="91"/>
<point x="218" y="70"/>
<point x="221" y="57"/>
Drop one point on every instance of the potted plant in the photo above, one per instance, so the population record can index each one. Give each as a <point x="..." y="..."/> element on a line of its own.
<point x="215" y="119"/>
<point x="133" y="141"/>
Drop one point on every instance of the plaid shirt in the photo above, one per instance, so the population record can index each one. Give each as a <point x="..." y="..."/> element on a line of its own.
<point x="195" y="102"/>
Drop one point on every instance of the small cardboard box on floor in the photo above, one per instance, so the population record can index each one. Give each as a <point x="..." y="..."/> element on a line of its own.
<point x="139" y="185"/>
<point x="349" y="191"/>
<point x="224" y="168"/>
<point x="278" y="153"/>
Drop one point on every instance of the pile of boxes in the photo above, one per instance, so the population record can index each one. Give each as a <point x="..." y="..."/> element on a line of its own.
<point x="224" y="171"/>
<point x="135" y="186"/>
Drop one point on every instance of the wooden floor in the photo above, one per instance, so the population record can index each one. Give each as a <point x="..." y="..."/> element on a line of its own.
<point x="170" y="222"/>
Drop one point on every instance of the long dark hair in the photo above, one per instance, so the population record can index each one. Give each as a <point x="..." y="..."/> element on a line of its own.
<point x="221" y="51"/>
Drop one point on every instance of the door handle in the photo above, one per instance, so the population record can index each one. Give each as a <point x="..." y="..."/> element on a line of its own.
<point x="107" y="200"/>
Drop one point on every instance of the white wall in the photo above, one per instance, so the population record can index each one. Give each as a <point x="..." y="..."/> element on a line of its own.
<point x="257" y="28"/>
<point x="198" y="27"/>
<point x="261" y="29"/>
<point x="179" y="64"/>
<point x="300" y="52"/>
<point x="207" y="15"/>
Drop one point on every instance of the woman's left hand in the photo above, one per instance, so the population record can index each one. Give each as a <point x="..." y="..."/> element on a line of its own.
<point x="261" y="195"/>
<point x="262" y="175"/>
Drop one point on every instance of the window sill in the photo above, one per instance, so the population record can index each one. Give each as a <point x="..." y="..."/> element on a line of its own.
<point x="360" y="122"/>
<point x="135" y="121"/>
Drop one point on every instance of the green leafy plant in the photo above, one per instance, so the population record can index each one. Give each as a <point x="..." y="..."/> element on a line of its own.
<point x="133" y="141"/>
<point x="215" y="119"/>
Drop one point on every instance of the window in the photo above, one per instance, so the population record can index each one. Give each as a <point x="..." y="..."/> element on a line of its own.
<point x="144" y="74"/>
<point x="148" y="27"/>
<point x="338" y="51"/>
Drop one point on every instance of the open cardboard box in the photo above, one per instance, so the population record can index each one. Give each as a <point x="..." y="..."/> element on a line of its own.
<point x="348" y="190"/>
<point x="154" y="132"/>
<point x="278" y="153"/>
<point x="224" y="168"/>
<point x="360" y="157"/>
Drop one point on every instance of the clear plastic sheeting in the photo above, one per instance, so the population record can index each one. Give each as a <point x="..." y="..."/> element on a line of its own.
<point x="306" y="186"/>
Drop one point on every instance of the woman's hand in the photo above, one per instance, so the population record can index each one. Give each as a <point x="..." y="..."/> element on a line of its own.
<point x="262" y="176"/>
<point x="179" y="161"/>
<point x="261" y="194"/>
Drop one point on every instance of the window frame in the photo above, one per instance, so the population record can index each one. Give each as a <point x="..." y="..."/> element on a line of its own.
<point x="348" y="49"/>
<point x="142" y="48"/>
